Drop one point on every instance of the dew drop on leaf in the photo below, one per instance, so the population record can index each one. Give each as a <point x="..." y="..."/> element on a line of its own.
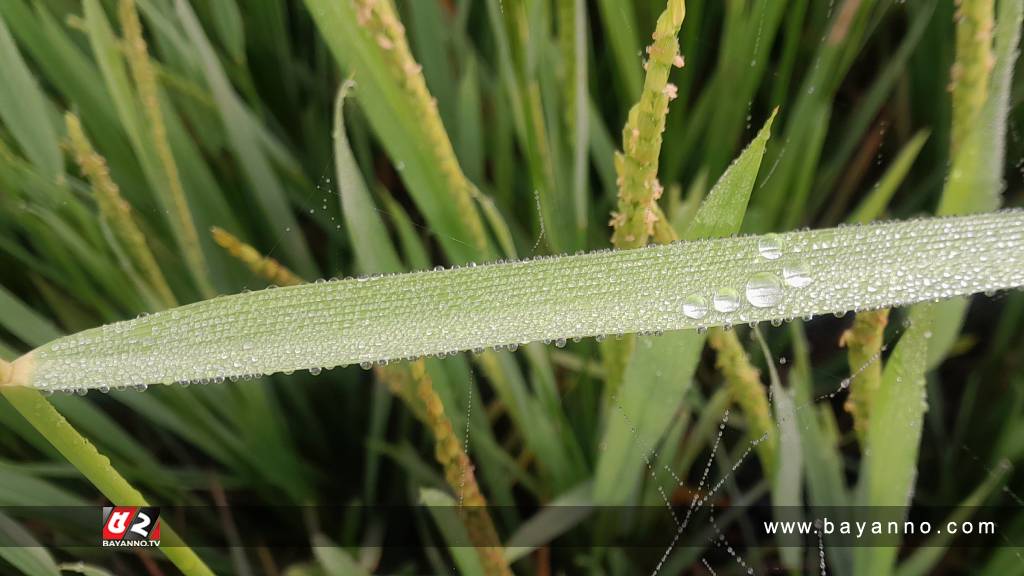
<point x="726" y="300"/>
<point x="695" y="307"/>
<point x="764" y="290"/>
<point x="770" y="247"/>
<point x="796" y="275"/>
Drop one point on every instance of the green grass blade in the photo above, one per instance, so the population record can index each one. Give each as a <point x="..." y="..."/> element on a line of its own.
<point x="924" y="560"/>
<point x="722" y="211"/>
<point x="819" y="444"/>
<point x="227" y="20"/>
<point x="370" y="42"/>
<point x="889" y="467"/>
<point x="84" y="569"/>
<point x="550" y="522"/>
<point x="417" y="314"/>
<point x="654" y="384"/>
<point x="246" y="146"/>
<point x="375" y="253"/>
<point x="975" y="181"/>
<point x="443" y="508"/>
<point x="619" y="23"/>
<point x="878" y="199"/>
<point x="23" y="321"/>
<point x="97" y="469"/>
<point x="976" y="178"/>
<point x="22" y="551"/>
<point x="23" y="110"/>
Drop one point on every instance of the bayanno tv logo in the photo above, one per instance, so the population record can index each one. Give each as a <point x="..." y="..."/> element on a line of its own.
<point x="132" y="526"/>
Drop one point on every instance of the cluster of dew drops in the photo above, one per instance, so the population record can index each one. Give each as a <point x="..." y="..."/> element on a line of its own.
<point x="762" y="289"/>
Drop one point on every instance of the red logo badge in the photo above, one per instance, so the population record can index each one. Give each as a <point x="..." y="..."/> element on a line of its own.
<point x="131" y="526"/>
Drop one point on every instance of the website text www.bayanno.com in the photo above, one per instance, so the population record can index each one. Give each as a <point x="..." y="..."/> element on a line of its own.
<point x="863" y="529"/>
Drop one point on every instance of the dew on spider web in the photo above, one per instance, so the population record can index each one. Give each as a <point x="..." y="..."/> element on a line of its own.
<point x="465" y="443"/>
<point x="698" y="502"/>
<point x="540" y="220"/>
<point x="649" y="455"/>
<point x="883" y="127"/>
<point x="722" y="542"/>
<point x="821" y="548"/>
<point x="775" y="164"/>
<point x="694" y="502"/>
<point x="757" y="47"/>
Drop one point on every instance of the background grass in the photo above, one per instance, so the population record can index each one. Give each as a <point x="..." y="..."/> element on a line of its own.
<point x="502" y="148"/>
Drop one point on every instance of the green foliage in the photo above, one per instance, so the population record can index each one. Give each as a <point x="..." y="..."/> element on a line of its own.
<point x="355" y="137"/>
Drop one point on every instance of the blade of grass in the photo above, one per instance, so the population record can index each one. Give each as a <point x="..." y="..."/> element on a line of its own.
<point x="97" y="469"/>
<point x="23" y="110"/>
<point x="893" y="435"/>
<point x="822" y="460"/>
<point x="367" y="38"/>
<point x="379" y="255"/>
<point x="116" y="210"/>
<point x="443" y="509"/>
<point x="557" y="517"/>
<point x="23" y="552"/>
<point x="375" y="253"/>
<point x="148" y="93"/>
<point x="27" y="324"/>
<point x="410" y="315"/>
<point x="788" y="473"/>
<point x="620" y="25"/>
<point x="245" y="145"/>
<point x="975" y="181"/>
<point x="924" y="559"/>
<point x="874" y="205"/>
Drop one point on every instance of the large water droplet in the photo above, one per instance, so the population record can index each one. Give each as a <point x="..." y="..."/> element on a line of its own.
<point x="770" y="247"/>
<point x="695" y="307"/>
<point x="796" y="275"/>
<point x="726" y="300"/>
<point x="764" y="290"/>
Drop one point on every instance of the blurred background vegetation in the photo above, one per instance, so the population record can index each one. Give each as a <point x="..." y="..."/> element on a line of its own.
<point x="158" y="152"/>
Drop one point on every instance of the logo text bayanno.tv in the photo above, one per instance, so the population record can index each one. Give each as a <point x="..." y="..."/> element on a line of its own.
<point x="131" y="526"/>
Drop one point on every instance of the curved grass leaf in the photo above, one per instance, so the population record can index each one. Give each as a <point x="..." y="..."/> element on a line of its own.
<point x="23" y="110"/>
<point x="401" y="316"/>
<point x="22" y="551"/>
<point x="894" y="435"/>
<point x="398" y="107"/>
